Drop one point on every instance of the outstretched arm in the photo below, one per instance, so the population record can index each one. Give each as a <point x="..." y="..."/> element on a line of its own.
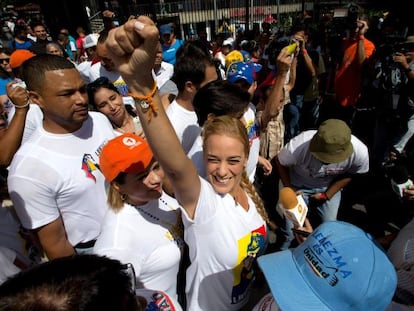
<point x="132" y="48"/>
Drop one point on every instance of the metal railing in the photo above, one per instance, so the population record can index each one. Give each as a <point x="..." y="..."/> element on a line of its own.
<point x="96" y="22"/>
<point x="213" y="15"/>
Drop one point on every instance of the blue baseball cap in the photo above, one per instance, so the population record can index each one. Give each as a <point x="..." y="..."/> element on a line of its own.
<point x="338" y="267"/>
<point x="246" y="56"/>
<point x="243" y="71"/>
<point x="164" y="29"/>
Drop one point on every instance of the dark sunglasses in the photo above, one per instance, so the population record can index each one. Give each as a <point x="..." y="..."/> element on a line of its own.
<point x="2" y="60"/>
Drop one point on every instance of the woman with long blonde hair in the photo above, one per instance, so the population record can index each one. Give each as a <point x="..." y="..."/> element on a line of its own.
<point x="224" y="221"/>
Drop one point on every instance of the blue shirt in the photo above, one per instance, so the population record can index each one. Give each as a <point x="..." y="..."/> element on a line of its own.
<point x="3" y="83"/>
<point x="14" y="45"/>
<point x="168" y="52"/>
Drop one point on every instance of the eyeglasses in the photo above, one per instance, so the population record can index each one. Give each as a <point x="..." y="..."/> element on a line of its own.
<point x="2" y="60"/>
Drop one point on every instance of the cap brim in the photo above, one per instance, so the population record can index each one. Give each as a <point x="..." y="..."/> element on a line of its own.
<point x="289" y="288"/>
<point x="327" y="157"/>
<point x="257" y="67"/>
<point x="337" y="158"/>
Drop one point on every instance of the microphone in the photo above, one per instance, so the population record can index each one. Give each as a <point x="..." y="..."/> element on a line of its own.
<point x="293" y="206"/>
<point x="400" y="179"/>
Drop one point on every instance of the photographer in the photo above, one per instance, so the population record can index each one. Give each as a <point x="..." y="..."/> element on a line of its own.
<point x="349" y="77"/>
<point x="405" y="58"/>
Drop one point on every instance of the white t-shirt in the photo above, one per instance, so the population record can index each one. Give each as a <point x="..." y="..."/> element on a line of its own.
<point x="224" y="240"/>
<point x="11" y="245"/>
<point x="149" y="237"/>
<point x="84" y="68"/>
<point x="184" y="123"/>
<point x="253" y="132"/>
<point x="196" y="151"/>
<point x="196" y="155"/>
<point x="164" y="74"/>
<point x="7" y="267"/>
<point x="308" y="172"/>
<point x="34" y="119"/>
<point x="55" y="175"/>
<point x="9" y="235"/>
<point x="97" y="70"/>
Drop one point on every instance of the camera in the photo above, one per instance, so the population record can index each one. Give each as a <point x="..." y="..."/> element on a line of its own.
<point x="274" y="48"/>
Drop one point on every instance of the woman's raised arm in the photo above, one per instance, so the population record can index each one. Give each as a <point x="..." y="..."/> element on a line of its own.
<point x="132" y="48"/>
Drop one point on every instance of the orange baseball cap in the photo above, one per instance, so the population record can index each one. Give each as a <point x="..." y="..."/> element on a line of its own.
<point x="18" y="57"/>
<point x="127" y="153"/>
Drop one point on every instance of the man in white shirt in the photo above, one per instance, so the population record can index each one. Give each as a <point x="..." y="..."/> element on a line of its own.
<point x="162" y="71"/>
<point x="319" y="164"/>
<point x="193" y="69"/>
<point x="54" y="179"/>
<point x="89" y="45"/>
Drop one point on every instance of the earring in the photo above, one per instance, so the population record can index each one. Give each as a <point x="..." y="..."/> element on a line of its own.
<point x="123" y="196"/>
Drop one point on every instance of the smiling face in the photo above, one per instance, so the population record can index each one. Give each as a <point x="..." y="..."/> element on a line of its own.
<point x="142" y="187"/>
<point x="63" y="100"/>
<point x="110" y="104"/>
<point x="225" y="162"/>
<point x="40" y="32"/>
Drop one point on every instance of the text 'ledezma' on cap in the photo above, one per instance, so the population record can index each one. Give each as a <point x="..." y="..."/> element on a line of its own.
<point x="338" y="267"/>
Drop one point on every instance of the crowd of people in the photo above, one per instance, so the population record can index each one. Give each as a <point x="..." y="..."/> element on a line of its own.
<point x="141" y="171"/>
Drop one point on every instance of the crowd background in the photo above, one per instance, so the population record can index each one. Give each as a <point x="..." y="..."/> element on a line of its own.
<point x="380" y="115"/>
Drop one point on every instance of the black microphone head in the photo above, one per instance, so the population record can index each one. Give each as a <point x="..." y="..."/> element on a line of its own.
<point x="399" y="174"/>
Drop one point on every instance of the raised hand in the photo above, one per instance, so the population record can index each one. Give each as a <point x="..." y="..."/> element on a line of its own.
<point x="132" y="48"/>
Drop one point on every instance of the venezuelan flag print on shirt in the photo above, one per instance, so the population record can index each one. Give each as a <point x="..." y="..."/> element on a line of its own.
<point x="249" y="247"/>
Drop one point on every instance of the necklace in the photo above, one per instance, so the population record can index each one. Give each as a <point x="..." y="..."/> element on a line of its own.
<point x="175" y="231"/>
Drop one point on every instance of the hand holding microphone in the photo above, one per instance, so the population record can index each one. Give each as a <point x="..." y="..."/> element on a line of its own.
<point x="400" y="180"/>
<point x="293" y="206"/>
<point x="301" y="233"/>
<point x="408" y="193"/>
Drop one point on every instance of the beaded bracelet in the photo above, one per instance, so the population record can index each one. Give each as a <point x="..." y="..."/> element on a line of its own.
<point x="145" y="102"/>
